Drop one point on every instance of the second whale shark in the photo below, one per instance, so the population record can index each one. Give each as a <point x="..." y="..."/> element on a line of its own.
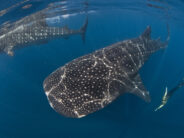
<point x="34" y="29"/>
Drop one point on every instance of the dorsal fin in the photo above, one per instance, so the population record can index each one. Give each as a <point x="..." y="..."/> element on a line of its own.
<point x="147" y="33"/>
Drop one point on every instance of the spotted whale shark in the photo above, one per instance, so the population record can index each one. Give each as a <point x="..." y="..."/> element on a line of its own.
<point x="91" y="82"/>
<point x="34" y="29"/>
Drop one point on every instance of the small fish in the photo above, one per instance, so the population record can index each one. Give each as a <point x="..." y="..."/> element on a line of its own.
<point x="168" y="95"/>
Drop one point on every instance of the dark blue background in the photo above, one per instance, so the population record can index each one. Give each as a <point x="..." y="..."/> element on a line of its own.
<point x="24" y="109"/>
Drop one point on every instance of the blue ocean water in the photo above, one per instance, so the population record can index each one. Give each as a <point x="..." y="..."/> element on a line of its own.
<point x="24" y="109"/>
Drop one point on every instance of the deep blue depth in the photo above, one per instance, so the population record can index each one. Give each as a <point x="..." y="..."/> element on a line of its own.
<point x="24" y="109"/>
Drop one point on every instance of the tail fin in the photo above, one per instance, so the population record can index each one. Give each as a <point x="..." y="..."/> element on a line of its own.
<point x="83" y="29"/>
<point x="168" y="33"/>
<point x="165" y="44"/>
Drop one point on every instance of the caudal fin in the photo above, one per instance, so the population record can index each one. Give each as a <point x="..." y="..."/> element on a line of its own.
<point x="83" y="29"/>
<point x="168" y="33"/>
<point x="166" y="42"/>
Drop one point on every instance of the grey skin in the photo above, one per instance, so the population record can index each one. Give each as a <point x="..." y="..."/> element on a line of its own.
<point x="33" y="29"/>
<point x="91" y="82"/>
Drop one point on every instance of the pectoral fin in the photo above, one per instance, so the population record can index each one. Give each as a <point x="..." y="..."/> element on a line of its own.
<point x="139" y="89"/>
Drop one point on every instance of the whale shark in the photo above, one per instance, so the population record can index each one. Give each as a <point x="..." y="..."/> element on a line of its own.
<point x="31" y="30"/>
<point x="91" y="82"/>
